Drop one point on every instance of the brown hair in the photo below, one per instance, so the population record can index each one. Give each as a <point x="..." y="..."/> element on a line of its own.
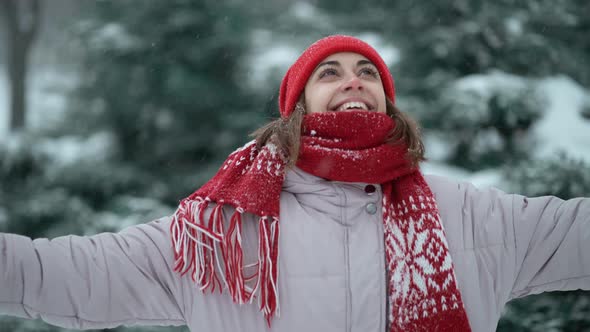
<point x="286" y="133"/>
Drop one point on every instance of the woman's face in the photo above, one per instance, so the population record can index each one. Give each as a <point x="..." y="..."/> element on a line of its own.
<point x="344" y="81"/>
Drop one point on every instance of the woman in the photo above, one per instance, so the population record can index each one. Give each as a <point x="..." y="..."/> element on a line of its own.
<point x="323" y="223"/>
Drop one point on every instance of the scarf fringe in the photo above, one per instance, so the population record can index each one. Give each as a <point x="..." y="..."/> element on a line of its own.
<point x="213" y="254"/>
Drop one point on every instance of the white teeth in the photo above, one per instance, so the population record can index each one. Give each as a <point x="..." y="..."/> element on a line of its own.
<point x="353" y="105"/>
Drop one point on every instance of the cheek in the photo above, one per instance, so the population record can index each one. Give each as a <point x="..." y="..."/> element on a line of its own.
<point x="315" y="100"/>
<point x="309" y="97"/>
<point x="309" y="102"/>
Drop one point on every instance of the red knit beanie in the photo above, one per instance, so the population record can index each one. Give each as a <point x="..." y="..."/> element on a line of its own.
<point x="296" y="77"/>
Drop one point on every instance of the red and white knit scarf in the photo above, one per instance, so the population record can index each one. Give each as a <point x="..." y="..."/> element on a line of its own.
<point x="339" y="146"/>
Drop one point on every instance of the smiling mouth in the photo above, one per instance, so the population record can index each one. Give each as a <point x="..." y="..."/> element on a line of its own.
<point x="354" y="105"/>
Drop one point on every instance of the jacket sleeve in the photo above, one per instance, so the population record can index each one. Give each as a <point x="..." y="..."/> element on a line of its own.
<point x="101" y="281"/>
<point x="552" y="244"/>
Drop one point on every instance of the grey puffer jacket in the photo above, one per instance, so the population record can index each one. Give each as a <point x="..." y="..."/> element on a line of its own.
<point x="332" y="269"/>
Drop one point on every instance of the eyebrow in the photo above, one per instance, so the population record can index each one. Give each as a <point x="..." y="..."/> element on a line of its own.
<point x="337" y="64"/>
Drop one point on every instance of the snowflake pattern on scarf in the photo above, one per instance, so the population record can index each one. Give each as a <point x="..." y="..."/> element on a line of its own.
<point x="349" y="146"/>
<point x="421" y="277"/>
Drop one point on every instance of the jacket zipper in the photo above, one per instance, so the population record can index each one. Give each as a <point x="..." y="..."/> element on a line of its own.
<point x="347" y="282"/>
<point x="348" y="295"/>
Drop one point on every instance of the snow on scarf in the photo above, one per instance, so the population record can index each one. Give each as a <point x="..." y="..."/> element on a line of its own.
<point x="339" y="146"/>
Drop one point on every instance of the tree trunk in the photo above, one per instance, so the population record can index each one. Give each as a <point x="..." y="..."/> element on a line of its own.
<point x="22" y="22"/>
<point x="17" y="76"/>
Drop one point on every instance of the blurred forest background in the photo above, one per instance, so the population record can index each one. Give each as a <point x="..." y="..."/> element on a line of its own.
<point x="112" y="111"/>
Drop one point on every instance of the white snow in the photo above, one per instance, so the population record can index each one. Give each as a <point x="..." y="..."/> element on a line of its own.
<point x="481" y="179"/>
<point x="68" y="150"/>
<point x="436" y="147"/>
<point x="390" y="54"/>
<point x="62" y="151"/>
<point x="46" y="97"/>
<point x="136" y="210"/>
<point x="514" y="25"/>
<point x="308" y="13"/>
<point x="563" y="128"/>
<point x="267" y="63"/>
<point x="114" y="36"/>
<point x="486" y="84"/>
<point x="438" y="168"/>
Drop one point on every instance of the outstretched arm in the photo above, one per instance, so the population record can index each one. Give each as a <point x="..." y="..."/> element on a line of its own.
<point x="101" y="281"/>
<point x="506" y="246"/>
<point x="552" y="244"/>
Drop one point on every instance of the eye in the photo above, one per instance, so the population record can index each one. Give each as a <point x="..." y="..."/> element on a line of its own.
<point x="368" y="71"/>
<point x="328" y="72"/>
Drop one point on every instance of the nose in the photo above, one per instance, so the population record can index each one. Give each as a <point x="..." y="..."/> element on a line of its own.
<point x="352" y="83"/>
